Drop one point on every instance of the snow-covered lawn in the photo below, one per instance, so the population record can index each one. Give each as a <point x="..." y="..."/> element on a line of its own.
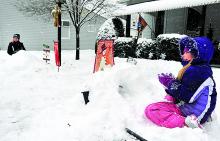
<point x="37" y="103"/>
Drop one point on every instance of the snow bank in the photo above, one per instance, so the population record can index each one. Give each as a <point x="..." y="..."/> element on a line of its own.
<point x="20" y="61"/>
<point x="3" y="56"/>
<point x="46" y="105"/>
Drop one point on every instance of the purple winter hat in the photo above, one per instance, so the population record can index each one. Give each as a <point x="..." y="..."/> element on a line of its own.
<point x="188" y="44"/>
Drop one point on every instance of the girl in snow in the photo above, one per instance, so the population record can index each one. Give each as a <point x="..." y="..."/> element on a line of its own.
<point x="192" y="95"/>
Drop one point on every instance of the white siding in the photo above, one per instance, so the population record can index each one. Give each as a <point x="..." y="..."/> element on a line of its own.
<point x="35" y="33"/>
<point x="150" y="19"/>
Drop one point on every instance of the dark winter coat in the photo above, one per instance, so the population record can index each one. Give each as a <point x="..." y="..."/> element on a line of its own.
<point x="197" y="89"/>
<point x="14" y="47"/>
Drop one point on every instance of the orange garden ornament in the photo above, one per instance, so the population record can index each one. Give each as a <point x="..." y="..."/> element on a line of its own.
<point x="105" y="56"/>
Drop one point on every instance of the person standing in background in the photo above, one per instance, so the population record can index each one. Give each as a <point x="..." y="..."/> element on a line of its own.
<point x="15" y="45"/>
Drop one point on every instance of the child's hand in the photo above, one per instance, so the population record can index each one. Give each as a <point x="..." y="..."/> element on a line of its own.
<point x="165" y="79"/>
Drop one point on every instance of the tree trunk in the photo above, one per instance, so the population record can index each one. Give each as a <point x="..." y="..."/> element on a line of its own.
<point x="77" y="44"/>
<point x="77" y="27"/>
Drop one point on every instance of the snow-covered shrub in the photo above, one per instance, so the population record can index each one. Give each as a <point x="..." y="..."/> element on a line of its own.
<point x="106" y="31"/>
<point x="167" y="46"/>
<point x="110" y="30"/>
<point x="145" y="49"/>
<point x="119" y="27"/>
<point x="164" y="47"/>
<point x="124" y="47"/>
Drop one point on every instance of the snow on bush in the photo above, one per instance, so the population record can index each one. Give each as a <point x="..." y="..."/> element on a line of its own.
<point x="171" y="35"/>
<point x="124" y="47"/>
<point x="165" y="47"/>
<point x="145" y="41"/>
<point x="110" y="29"/>
<point x="106" y="31"/>
<point x="144" y="48"/>
<point x="127" y="47"/>
<point x="123" y="40"/>
<point x="168" y="46"/>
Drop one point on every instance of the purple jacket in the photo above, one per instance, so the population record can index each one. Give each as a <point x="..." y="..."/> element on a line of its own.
<point x="197" y="89"/>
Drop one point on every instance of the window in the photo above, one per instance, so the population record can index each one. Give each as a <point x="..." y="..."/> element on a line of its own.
<point x="193" y="23"/>
<point x="65" y="23"/>
<point x="66" y="29"/>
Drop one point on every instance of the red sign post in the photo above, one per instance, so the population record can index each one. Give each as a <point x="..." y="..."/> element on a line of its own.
<point x="56" y="52"/>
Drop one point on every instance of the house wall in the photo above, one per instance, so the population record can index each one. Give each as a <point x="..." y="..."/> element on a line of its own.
<point x="147" y="32"/>
<point x="150" y="19"/>
<point x="175" y="21"/>
<point x="212" y="16"/>
<point x="35" y="33"/>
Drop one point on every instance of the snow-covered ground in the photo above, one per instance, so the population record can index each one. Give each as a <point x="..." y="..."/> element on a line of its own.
<point x="37" y="103"/>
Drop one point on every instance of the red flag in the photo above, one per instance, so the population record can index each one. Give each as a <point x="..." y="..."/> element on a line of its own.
<point x="56" y="51"/>
<point x="141" y="23"/>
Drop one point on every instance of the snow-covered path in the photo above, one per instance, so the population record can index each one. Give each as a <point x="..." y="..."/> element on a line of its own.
<point x="39" y="104"/>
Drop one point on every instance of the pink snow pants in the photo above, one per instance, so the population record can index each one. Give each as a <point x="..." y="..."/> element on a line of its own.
<point x="165" y="114"/>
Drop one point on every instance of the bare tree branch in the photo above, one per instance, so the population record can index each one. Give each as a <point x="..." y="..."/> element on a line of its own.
<point x="79" y="11"/>
<point x="86" y="8"/>
<point x="96" y="5"/>
<point x="91" y="18"/>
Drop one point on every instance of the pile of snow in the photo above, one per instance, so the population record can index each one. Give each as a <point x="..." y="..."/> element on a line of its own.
<point x="48" y="106"/>
<point x="22" y="60"/>
<point x="3" y="56"/>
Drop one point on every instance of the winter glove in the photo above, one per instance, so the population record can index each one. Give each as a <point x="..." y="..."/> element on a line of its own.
<point x="165" y="79"/>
